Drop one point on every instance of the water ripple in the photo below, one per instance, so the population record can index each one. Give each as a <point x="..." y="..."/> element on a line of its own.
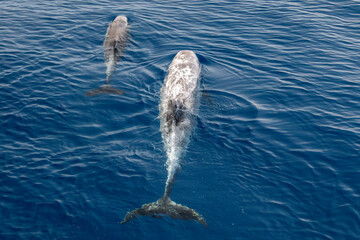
<point x="275" y="151"/>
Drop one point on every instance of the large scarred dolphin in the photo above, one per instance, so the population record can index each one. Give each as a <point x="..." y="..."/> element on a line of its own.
<point x="114" y="44"/>
<point x="179" y="104"/>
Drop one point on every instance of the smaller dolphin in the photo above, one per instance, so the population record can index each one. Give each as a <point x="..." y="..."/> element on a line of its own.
<point x="114" y="44"/>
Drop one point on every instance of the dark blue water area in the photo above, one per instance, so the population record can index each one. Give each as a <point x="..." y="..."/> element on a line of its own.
<point x="275" y="150"/>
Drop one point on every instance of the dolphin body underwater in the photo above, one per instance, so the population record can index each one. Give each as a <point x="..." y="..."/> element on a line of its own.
<point x="114" y="44"/>
<point x="178" y="106"/>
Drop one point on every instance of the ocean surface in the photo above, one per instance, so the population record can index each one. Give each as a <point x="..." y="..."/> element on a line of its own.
<point x="275" y="153"/>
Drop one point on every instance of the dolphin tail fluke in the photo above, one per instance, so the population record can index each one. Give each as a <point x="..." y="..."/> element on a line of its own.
<point x="164" y="206"/>
<point x="104" y="89"/>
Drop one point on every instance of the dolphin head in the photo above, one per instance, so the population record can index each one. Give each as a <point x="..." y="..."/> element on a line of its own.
<point x="121" y="19"/>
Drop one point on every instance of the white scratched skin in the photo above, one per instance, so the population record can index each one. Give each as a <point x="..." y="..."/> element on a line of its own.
<point x="182" y="79"/>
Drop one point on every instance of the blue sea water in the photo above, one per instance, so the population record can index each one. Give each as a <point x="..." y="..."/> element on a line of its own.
<point x="274" y="154"/>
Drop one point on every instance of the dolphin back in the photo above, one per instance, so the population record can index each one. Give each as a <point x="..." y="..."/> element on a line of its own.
<point x="164" y="206"/>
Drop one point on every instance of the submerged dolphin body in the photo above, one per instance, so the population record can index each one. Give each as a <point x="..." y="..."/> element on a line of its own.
<point x="114" y="44"/>
<point x="179" y="104"/>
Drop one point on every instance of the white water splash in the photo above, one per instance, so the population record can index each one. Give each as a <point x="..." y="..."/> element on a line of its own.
<point x="110" y="67"/>
<point x="176" y="143"/>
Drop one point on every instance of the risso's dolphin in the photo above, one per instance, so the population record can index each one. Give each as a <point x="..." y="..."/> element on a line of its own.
<point x="114" y="44"/>
<point x="178" y="106"/>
